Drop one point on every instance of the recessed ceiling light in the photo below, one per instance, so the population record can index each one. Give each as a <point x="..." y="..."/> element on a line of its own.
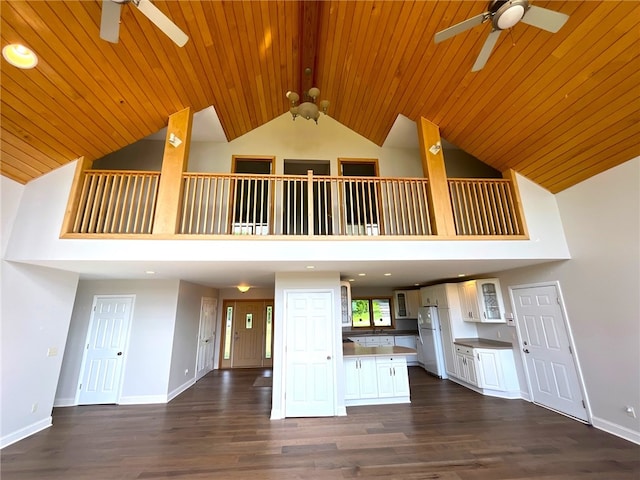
<point x="416" y="284"/>
<point x="387" y="274"/>
<point x="462" y="275"/>
<point x="352" y="279"/>
<point x="150" y="272"/>
<point x="19" y="56"/>
<point x="310" y="267"/>
<point x="362" y="274"/>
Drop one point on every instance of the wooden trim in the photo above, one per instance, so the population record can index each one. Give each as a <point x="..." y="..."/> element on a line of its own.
<point x="434" y="170"/>
<point x="174" y="164"/>
<point x="510" y="175"/>
<point x="74" y="196"/>
<point x="374" y="161"/>
<point x="266" y="158"/>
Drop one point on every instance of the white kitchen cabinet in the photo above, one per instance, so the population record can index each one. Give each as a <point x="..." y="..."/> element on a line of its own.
<point x="466" y="365"/>
<point x="481" y="301"/>
<point x="406" y="303"/>
<point x="361" y="378"/>
<point x="409" y="341"/>
<point x="491" y="370"/>
<point x="435" y="295"/>
<point x="373" y="340"/>
<point x="345" y="303"/>
<point x="393" y="377"/>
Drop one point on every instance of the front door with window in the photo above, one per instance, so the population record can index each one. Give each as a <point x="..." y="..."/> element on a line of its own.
<point x="247" y="334"/>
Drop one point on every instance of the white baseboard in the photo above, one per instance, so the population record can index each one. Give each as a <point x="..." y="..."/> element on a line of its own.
<point x="25" y="432"/>
<point x="65" y="402"/>
<point x="615" y="429"/>
<point x="142" y="399"/>
<point x="177" y="391"/>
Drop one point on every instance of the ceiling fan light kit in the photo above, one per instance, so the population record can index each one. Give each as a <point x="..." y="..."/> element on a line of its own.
<point x="505" y="14"/>
<point x="110" y="20"/>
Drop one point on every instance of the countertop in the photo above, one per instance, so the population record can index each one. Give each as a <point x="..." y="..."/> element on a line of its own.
<point x="369" y="333"/>
<point x="355" y="350"/>
<point x="482" y="343"/>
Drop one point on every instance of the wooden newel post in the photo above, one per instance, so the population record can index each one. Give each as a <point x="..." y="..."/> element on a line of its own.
<point x="434" y="170"/>
<point x="174" y="164"/>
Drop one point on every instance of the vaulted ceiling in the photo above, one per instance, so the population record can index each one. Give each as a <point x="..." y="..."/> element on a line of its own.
<point x="558" y="108"/>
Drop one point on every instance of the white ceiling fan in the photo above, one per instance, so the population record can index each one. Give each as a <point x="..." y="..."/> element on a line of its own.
<point x="505" y="14"/>
<point x="110" y="21"/>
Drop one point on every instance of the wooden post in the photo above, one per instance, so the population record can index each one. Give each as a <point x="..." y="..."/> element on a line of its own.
<point x="510" y="175"/>
<point x="174" y="164"/>
<point x="310" y="201"/>
<point x="74" y="196"/>
<point x="434" y="170"/>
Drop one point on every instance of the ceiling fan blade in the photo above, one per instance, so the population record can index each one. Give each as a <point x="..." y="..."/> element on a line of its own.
<point x="163" y="22"/>
<point x="459" y="27"/>
<point x="110" y="21"/>
<point x="485" y="53"/>
<point x="545" y="19"/>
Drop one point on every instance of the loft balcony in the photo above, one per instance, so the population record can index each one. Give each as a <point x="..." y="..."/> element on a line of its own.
<point x="125" y="203"/>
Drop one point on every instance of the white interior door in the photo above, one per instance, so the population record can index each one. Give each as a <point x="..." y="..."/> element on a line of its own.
<point x="104" y="352"/>
<point x="551" y="366"/>
<point x="309" y="365"/>
<point x="206" y="336"/>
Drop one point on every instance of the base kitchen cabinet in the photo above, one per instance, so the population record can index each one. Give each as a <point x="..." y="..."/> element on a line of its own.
<point x="375" y="375"/>
<point x="393" y="377"/>
<point x="360" y="377"/>
<point x="487" y="370"/>
<point x="466" y="363"/>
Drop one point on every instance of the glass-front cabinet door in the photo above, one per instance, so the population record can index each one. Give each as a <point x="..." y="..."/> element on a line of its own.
<point x="490" y="297"/>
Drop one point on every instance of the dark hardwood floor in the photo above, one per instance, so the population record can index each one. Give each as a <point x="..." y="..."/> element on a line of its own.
<point x="220" y="429"/>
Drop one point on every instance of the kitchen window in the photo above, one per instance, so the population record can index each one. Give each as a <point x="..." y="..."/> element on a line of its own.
<point x="371" y="312"/>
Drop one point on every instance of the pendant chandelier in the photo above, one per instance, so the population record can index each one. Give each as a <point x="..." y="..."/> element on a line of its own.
<point x="307" y="109"/>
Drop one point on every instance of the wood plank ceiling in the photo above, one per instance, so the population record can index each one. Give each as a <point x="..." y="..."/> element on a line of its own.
<point x="558" y="108"/>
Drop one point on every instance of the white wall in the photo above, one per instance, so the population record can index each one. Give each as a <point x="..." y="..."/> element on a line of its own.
<point x="148" y="355"/>
<point x="286" y="281"/>
<point x="185" y="338"/>
<point x="36" y="308"/>
<point x="600" y="286"/>
<point x="10" y="196"/>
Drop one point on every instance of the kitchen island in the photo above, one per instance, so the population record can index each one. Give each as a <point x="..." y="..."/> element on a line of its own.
<point x="376" y="375"/>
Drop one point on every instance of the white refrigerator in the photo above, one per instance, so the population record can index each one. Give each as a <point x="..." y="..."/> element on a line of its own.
<point x="430" y="356"/>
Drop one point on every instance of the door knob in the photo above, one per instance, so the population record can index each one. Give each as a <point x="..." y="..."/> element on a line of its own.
<point x="119" y="353"/>
<point x="328" y="357"/>
<point x="525" y="350"/>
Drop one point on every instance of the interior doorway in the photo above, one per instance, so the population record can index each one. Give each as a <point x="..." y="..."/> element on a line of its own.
<point x="247" y="336"/>
<point x="296" y="199"/>
<point x="103" y="359"/>
<point x="547" y="350"/>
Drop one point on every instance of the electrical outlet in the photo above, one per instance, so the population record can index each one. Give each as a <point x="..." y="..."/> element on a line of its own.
<point x="630" y="411"/>
<point x="186" y="371"/>
<point x="34" y="407"/>
<point x="499" y="334"/>
<point x="52" y="351"/>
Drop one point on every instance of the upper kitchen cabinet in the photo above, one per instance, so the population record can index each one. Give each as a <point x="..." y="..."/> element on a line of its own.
<point x="406" y="303"/>
<point x="481" y="301"/>
<point x="435" y="295"/>
<point x="345" y="303"/>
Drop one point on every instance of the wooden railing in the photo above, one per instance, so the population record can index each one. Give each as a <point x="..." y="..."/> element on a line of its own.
<point x="219" y="204"/>
<point x="124" y="202"/>
<point x="116" y="202"/>
<point x="484" y="207"/>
